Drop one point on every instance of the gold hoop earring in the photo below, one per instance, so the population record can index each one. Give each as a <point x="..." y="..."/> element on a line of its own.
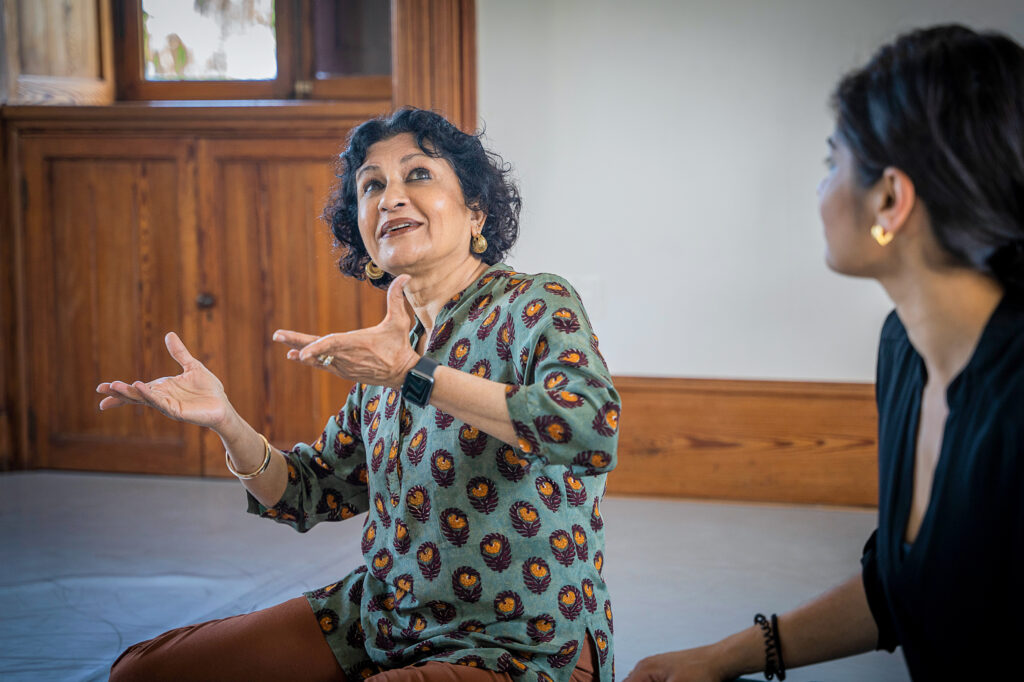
<point x="478" y="243"/>
<point x="880" y="235"/>
<point x="373" y="271"/>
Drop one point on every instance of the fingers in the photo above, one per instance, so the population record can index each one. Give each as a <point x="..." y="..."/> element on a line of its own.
<point x="325" y="345"/>
<point x="126" y="391"/>
<point x="642" y="673"/>
<point x="149" y="397"/>
<point x="178" y="351"/>
<point x="118" y="393"/>
<point x="296" y="340"/>
<point x="109" y="403"/>
<point x="296" y="355"/>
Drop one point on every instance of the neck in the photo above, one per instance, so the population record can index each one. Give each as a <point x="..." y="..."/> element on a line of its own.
<point x="944" y="314"/>
<point x="428" y="292"/>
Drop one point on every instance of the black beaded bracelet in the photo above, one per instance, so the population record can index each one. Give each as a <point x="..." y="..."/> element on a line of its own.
<point x="773" y="664"/>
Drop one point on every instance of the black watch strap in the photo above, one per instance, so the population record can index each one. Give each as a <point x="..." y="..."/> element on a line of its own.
<point x="419" y="382"/>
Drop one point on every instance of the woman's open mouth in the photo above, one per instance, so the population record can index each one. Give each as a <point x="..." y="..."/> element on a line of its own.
<point x="400" y="226"/>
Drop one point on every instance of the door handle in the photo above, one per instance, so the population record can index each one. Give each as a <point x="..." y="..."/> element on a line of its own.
<point x="205" y="301"/>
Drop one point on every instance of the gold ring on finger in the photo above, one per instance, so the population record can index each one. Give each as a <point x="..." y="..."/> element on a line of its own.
<point x="325" y="360"/>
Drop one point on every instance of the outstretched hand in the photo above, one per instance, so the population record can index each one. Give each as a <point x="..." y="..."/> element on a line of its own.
<point x="195" y="396"/>
<point x="691" y="665"/>
<point x="380" y="355"/>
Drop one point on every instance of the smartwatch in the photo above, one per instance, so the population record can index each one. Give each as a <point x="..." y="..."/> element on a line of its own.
<point x="419" y="382"/>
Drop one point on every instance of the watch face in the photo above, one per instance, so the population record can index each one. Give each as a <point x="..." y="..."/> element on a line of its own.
<point x="417" y="387"/>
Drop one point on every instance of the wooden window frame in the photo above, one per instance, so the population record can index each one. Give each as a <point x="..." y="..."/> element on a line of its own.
<point x="341" y="87"/>
<point x="131" y="76"/>
<point x="294" y="66"/>
<point x="17" y="88"/>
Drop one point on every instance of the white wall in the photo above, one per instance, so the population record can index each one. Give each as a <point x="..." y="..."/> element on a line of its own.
<point x="668" y="154"/>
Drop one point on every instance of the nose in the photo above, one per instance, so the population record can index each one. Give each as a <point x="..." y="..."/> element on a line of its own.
<point x="392" y="197"/>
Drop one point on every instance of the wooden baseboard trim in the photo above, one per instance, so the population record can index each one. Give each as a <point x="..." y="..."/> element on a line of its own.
<point x="764" y="441"/>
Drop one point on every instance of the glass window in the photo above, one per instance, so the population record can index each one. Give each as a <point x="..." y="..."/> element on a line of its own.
<point x="212" y="40"/>
<point x="351" y="38"/>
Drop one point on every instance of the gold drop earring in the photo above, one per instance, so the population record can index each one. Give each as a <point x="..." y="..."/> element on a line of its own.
<point x="880" y="235"/>
<point x="373" y="271"/>
<point x="478" y="243"/>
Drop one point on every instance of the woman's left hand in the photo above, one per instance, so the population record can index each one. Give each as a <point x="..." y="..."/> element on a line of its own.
<point x="691" y="665"/>
<point x="380" y="355"/>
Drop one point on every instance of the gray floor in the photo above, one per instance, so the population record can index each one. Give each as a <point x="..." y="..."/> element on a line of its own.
<point x="93" y="563"/>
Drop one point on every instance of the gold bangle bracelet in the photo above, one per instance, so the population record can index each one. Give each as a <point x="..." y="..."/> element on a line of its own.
<point x="263" y="467"/>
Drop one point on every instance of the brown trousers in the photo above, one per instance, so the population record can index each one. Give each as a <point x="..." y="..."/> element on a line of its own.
<point x="283" y="642"/>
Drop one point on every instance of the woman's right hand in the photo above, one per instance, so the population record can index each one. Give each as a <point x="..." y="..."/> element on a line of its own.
<point x="195" y="396"/>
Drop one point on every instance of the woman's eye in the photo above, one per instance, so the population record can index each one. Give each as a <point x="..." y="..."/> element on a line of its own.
<point x="419" y="174"/>
<point x="370" y="186"/>
<point x="829" y="162"/>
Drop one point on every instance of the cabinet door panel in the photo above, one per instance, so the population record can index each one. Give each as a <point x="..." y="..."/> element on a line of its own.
<point x="271" y="265"/>
<point x="110" y="243"/>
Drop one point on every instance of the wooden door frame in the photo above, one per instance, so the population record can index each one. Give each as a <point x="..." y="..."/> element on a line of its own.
<point x="433" y="61"/>
<point x="12" y="454"/>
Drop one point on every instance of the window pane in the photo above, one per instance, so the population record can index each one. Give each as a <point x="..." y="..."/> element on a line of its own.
<point x="58" y="39"/>
<point x="209" y="39"/>
<point x="351" y="38"/>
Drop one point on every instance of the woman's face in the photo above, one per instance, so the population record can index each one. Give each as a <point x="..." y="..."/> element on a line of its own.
<point x="842" y="203"/>
<point x="412" y="215"/>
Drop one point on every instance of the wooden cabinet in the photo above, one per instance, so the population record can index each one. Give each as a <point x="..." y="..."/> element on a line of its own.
<point x="127" y="238"/>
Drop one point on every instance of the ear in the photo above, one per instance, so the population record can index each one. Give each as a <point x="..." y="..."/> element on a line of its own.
<point x="894" y="198"/>
<point x="477" y="216"/>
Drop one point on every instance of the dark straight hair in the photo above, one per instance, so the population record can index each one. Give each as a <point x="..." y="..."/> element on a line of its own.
<point x="946" y="106"/>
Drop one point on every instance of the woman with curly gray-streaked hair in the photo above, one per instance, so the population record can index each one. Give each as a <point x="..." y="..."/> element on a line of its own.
<point x="478" y="437"/>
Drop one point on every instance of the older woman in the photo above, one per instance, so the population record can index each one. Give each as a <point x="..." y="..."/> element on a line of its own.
<point x="477" y="437"/>
<point x="925" y="193"/>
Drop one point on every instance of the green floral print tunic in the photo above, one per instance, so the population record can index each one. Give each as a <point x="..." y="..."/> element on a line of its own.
<point x="476" y="552"/>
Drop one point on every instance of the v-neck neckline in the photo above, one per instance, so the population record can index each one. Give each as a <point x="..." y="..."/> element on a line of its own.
<point x="452" y="306"/>
<point x="904" y="490"/>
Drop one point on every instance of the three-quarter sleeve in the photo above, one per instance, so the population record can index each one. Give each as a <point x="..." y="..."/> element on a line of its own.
<point x="327" y="481"/>
<point x="887" y="637"/>
<point x="565" y="409"/>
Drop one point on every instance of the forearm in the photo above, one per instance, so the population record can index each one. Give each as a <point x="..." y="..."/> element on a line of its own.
<point x="836" y="624"/>
<point x="476" y="401"/>
<point x="246" y="450"/>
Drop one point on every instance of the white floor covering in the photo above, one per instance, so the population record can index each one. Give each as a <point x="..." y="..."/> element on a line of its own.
<point x="94" y="562"/>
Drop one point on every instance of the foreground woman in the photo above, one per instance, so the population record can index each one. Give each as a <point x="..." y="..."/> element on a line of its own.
<point x="925" y="193"/>
<point x="478" y="437"/>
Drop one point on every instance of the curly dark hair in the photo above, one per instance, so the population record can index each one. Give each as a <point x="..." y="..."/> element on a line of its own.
<point x="484" y="178"/>
<point x="946" y="106"/>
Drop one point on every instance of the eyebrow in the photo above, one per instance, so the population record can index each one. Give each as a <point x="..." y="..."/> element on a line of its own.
<point x="831" y="142"/>
<point x="366" y="168"/>
<point x="402" y="160"/>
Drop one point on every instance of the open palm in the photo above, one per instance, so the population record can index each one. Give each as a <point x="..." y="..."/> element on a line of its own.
<point x="195" y="396"/>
